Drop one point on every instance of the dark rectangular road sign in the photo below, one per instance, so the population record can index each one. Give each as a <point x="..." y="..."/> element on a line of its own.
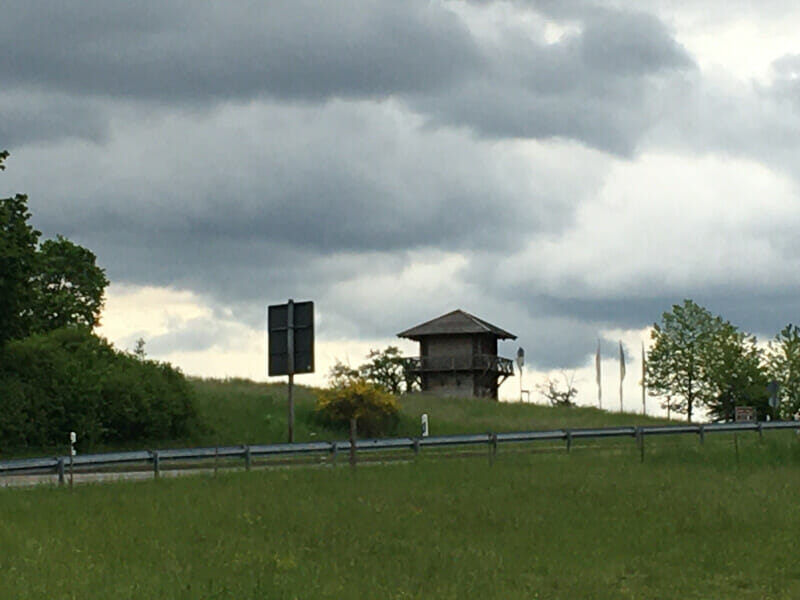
<point x="302" y="331"/>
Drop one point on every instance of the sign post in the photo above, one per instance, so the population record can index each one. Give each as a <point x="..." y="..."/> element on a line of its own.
<point x="290" y="330"/>
<point x="73" y="437"/>
<point x="520" y="363"/>
<point x="773" y="387"/>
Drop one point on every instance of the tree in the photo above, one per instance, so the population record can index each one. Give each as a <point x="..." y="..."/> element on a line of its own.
<point x="700" y="359"/>
<point x="675" y="365"/>
<point x="385" y="368"/>
<point x="783" y="366"/>
<point x="138" y="350"/>
<point x="3" y="157"/>
<point x="18" y="264"/>
<point x="69" y="286"/>
<point x="44" y="288"/>
<point x="341" y="375"/>
<point x="557" y="396"/>
<point x="733" y="368"/>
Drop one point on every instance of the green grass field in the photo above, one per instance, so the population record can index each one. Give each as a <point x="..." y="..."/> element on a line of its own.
<point x="689" y="522"/>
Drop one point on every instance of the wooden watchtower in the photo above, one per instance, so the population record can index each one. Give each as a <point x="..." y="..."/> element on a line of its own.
<point x="458" y="356"/>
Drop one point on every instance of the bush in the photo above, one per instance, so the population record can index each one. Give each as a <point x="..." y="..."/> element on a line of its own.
<point x="71" y="380"/>
<point x="375" y="410"/>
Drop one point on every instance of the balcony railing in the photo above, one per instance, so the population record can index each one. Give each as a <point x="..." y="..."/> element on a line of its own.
<point x="488" y="363"/>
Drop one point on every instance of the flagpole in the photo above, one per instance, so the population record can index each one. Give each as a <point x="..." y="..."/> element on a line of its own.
<point x="599" y="379"/>
<point x="621" y="373"/>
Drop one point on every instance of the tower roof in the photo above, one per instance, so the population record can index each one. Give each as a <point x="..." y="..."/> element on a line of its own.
<point x="455" y="322"/>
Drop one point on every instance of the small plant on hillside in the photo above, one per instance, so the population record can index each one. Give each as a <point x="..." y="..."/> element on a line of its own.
<point x="555" y="394"/>
<point x="374" y="409"/>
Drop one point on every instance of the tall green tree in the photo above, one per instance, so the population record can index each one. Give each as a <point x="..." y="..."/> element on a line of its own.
<point x="783" y="365"/>
<point x="733" y="367"/>
<point x="675" y="365"/>
<point x="69" y="287"/>
<point x="46" y="287"/>
<point x="17" y="264"/>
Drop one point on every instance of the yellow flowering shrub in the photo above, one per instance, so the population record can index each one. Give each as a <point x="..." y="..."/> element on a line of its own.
<point x="375" y="409"/>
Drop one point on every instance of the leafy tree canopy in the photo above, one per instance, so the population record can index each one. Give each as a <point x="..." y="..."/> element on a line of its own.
<point x="675" y="363"/>
<point x="69" y="286"/>
<point x="733" y="367"/>
<point x="18" y="266"/>
<point x="45" y="287"/>
<point x="699" y="359"/>
<point x="783" y="365"/>
<point x="385" y="368"/>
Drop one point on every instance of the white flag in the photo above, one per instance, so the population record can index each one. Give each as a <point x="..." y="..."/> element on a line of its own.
<point x="599" y="385"/>
<point x="597" y="362"/>
<point x="621" y="362"/>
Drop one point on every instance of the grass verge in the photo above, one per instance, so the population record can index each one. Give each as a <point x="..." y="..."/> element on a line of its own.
<point x="690" y="522"/>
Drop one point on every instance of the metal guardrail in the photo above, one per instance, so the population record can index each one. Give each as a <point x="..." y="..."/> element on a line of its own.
<point x="89" y="462"/>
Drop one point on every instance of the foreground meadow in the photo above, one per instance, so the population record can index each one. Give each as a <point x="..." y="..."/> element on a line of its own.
<point x="689" y="522"/>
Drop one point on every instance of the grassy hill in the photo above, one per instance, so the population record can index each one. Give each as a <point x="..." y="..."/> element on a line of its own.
<point x="239" y="411"/>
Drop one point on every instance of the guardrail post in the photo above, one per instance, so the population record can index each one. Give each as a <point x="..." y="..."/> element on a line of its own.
<point x="156" y="464"/>
<point x="334" y="452"/>
<point x="569" y="440"/>
<point x="60" y="470"/>
<point x="492" y="447"/>
<point x="247" y="458"/>
<point x="353" y="458"/>
<point x="702" y="435"/>
<point x="640" y="443"/>
<point x="416" y="446"/>
<point x="760" y="433"/>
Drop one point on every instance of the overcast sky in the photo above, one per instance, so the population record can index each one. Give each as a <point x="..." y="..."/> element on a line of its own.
<point x="565" y="170"/>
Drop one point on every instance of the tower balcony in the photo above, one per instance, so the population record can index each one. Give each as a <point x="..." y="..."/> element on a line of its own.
<point x="485" y="363"/>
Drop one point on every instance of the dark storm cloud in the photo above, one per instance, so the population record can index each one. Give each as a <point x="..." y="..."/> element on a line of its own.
<point x="40" y="119"/>
<point x="591" y="86"/>
<point x="252" y="152"/>
<point x="193" y="52"/>
<point x="341" y="178"/>
<point x="271" y="201"/>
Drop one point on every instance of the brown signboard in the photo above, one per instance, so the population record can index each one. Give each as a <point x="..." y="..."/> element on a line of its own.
<point x="745" y="413"/>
